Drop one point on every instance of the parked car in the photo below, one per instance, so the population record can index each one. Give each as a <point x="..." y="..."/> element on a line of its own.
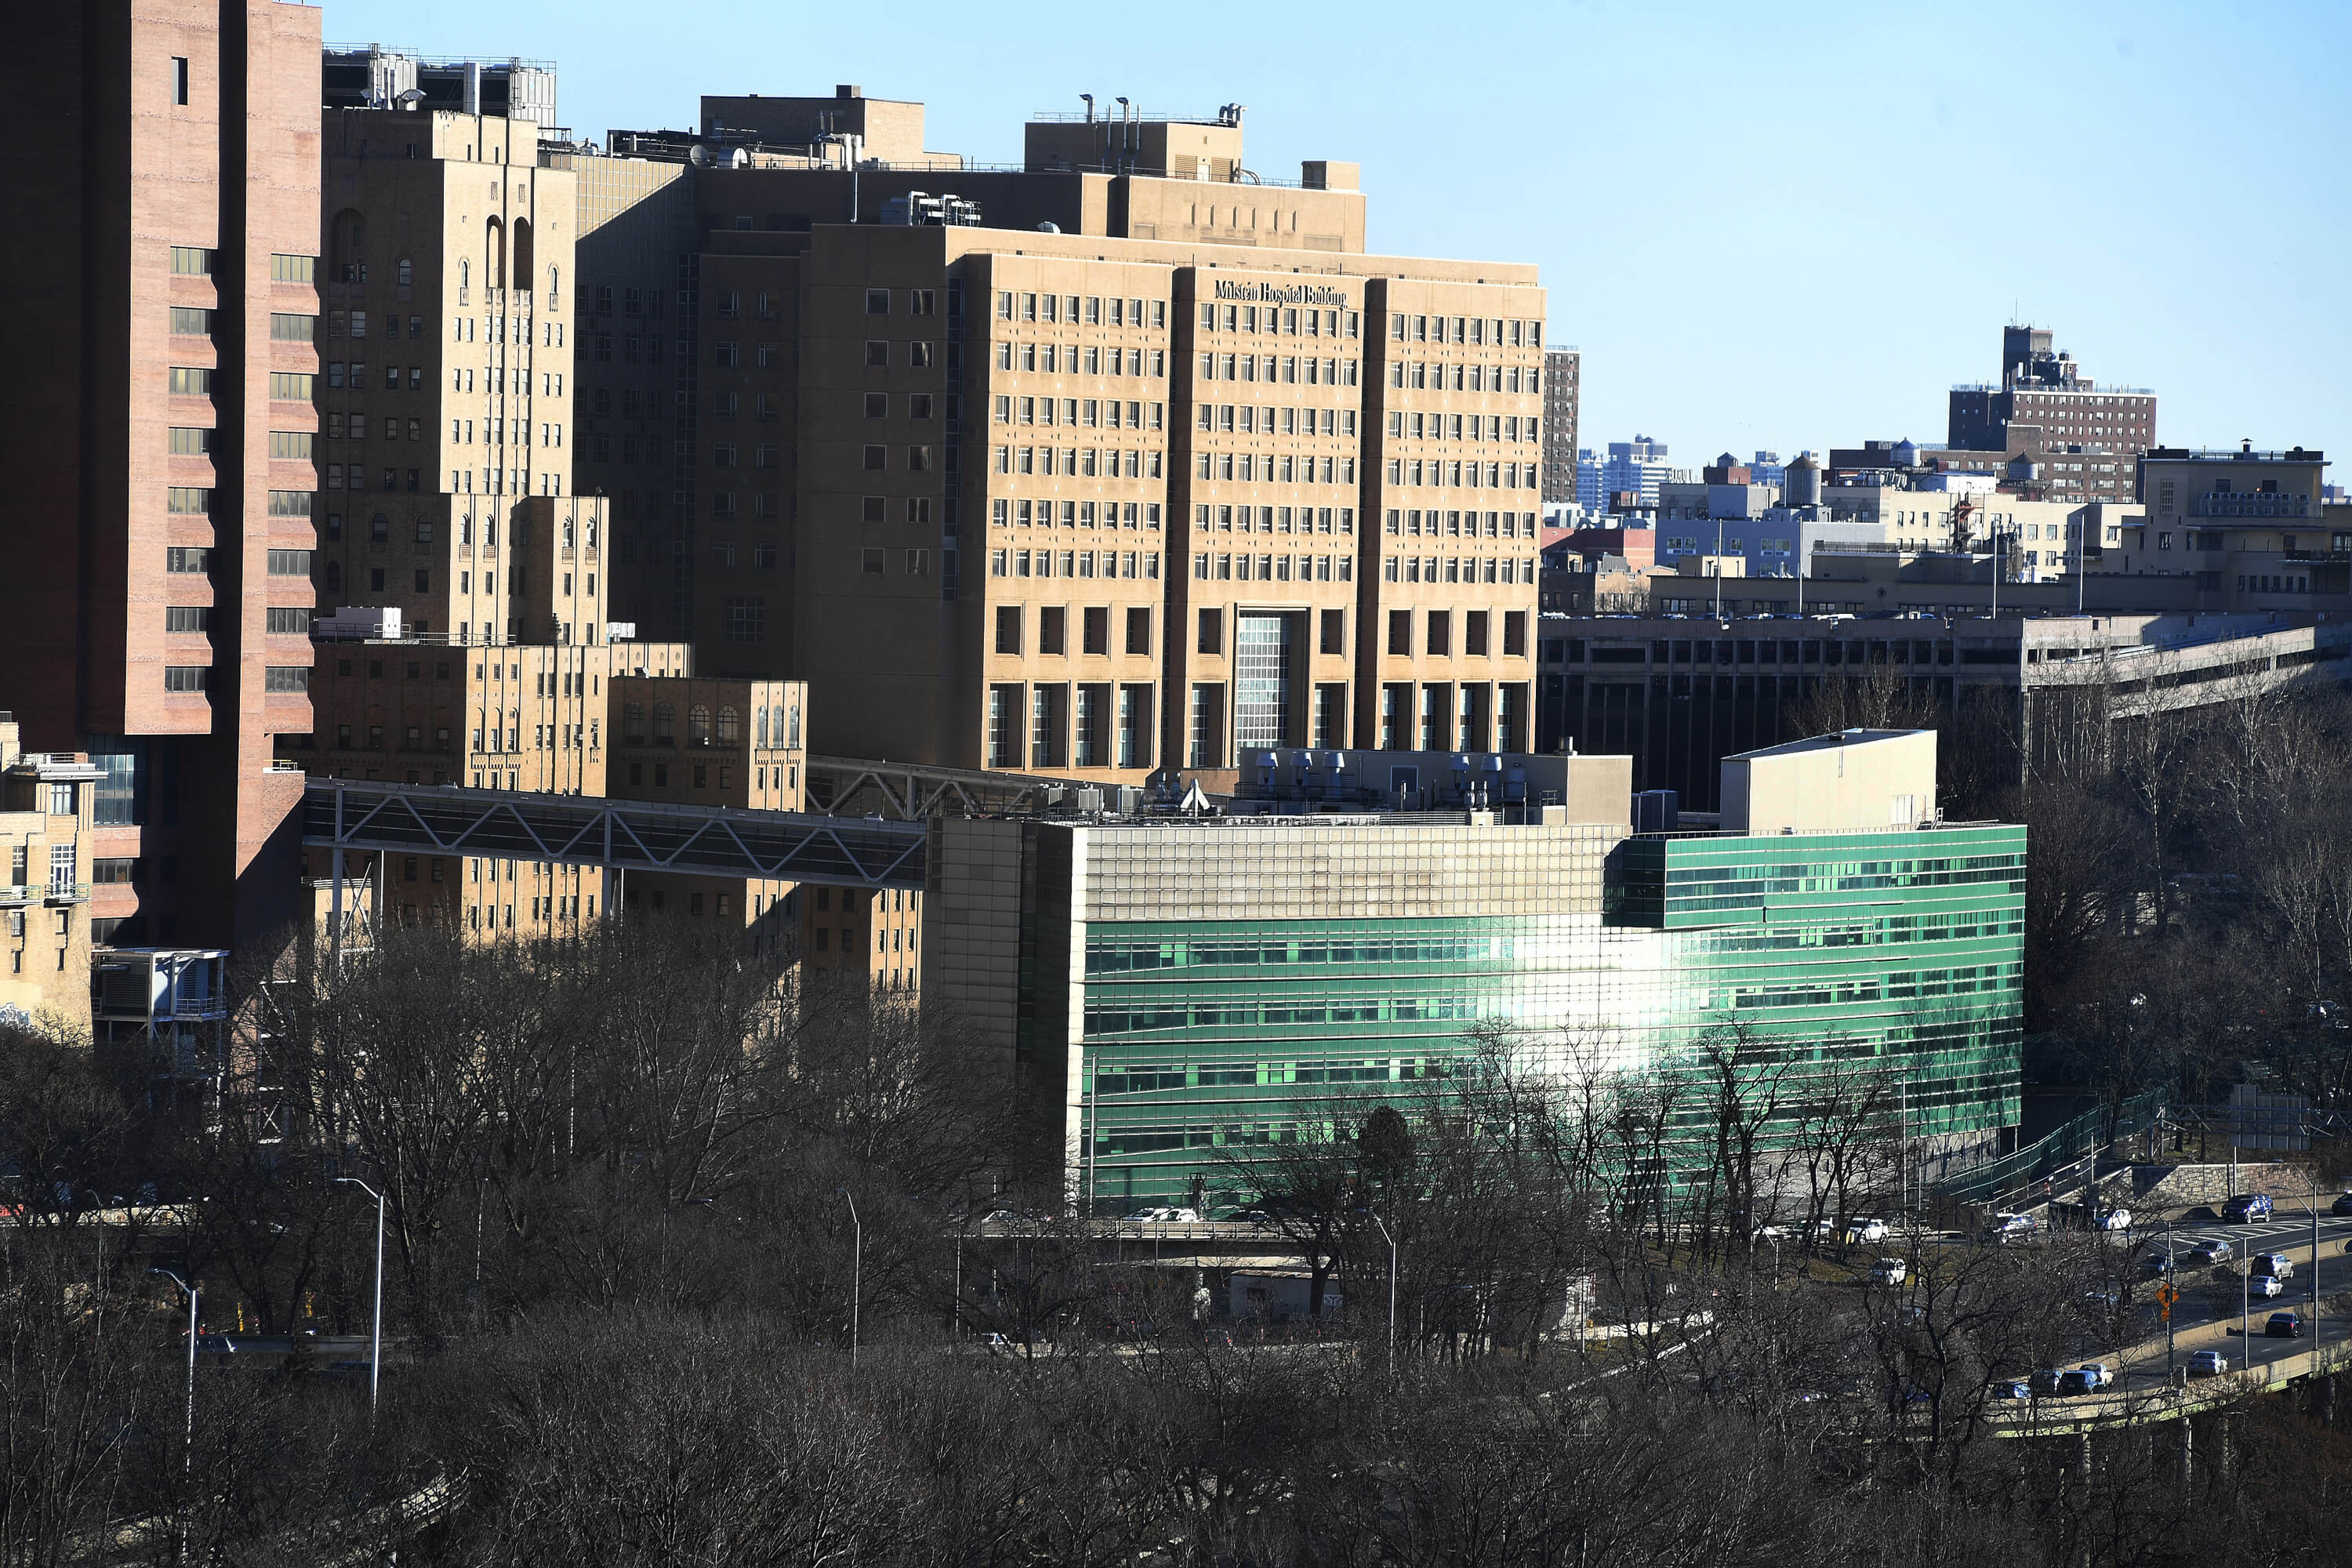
<point x="2008" y="1227"/>
<point x="2284" y="1326"/>
<point x="2207" y="1364"/>
<point x="2265" y="1286"/>
<point x="2246" y="1209"/>
<point x="1865" y="1231"/>
<point x="1890" y="1271"/>
<point x="2115" y="1219"/>
<point x="2343" y="1204"/>
<point x="2009" y="1388"/>
<point x="2277" y="1265"/>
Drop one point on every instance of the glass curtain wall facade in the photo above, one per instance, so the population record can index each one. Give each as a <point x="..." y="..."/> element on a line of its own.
<point x="1192" y="1034"/>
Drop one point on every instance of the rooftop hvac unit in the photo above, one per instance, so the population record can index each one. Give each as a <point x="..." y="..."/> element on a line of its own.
<point x="358" y="623"/>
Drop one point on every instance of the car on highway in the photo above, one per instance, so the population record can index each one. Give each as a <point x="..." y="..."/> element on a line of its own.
<point x="1249" y="1216"/>
<point x="2220" y="1249"/>
<point x="2246" y="1209"/>
<point x="2284" y="1326"/>
<point x="2265" y="1285"/>
<point x="1165" y="1215"/>
<point x="1864" y="1232"/>
<point x="217" y="1345"/>
<point x="2114" y="1219"/>
<point x="2207" y="1364"/>
<point x="1890" y="1271"/>
<point x="2277" y="1265"/>
<point x="2158" y="1263"/>
<point x="2009" y="1388"/>
<point x="2343" y="1204"/>
<point x="2008" y="1227"/>
<point x="2075" y="1381"/>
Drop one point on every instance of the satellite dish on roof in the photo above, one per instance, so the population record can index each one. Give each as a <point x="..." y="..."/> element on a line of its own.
<point x="698" y="155"/>
<point x="1049" y="227"/>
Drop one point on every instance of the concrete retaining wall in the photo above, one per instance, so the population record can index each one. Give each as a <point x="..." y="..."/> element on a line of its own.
<point x="2182" y="1186"/>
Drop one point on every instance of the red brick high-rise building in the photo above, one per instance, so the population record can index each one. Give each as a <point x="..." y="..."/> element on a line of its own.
<point x="162" y="170"/>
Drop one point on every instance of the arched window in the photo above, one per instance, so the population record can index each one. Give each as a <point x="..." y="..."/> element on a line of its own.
<point x="523" y="270"/>
<point x="665" y="724"/>
<point x="379" y="528"/>
<point x="759" y="728"/>
<point x="698" y="725"/>
<point x="465" y="276"/>
<point x="794" y="731"/>
<point x="555" y="284"/>
<point x="730" y="731"/>
<point x="406" y="271"/>
<point x="632" y="722"/>
<point x="494" y="256"/>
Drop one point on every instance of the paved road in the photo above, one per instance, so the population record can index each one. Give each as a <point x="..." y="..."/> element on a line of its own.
<point x="2208" y="1314"/>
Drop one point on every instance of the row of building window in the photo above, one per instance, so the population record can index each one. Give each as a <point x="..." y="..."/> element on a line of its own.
<point x="1452" y="474"/>
<point x="1143" y="566"/>
<point x="1109" y="726"/>
<point x="1224" y="568"/>
<point x="1006" y="511"/>
<point x="1457" y="569"/>
<point x="1092" y="309"/>
<point x="1053" y="623"/>
<point x="1490" y="330"/>
<point x="1287" y="469"/>
<point x="1074" y="359"/>
<point x="1078" y="462"/>
<point x="1273" y="520"/>
<point x="1409" y="521"/>
<point x="1280" y="321"/>
<point x="1308" y="372"/>
<point x="1109" y="413"/>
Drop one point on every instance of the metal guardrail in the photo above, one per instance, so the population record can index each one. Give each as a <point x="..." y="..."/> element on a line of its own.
<point x="376" y="818"/>
<point x="2054" y="1152"/>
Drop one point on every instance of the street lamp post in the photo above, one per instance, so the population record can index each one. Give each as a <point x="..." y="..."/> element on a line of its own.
<point x="856" y="1268"/>
<point x="188" y="1445"/>
<point x="375" y="1329"/>
<point x="1392" y="1282"/>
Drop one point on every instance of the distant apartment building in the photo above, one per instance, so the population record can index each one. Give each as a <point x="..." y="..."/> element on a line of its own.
<point x="1635" y="469"/>
<point x="2081" y="437"/>
<point x="2252" y="529"/>
<point x="165" y="195"/>
<point x="46" y="831"/>
<point x="1563" y="386"/>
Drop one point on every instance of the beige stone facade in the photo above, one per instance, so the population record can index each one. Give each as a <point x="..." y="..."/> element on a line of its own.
<point x="45" y="897"/>
<point x="1104" y="488"/>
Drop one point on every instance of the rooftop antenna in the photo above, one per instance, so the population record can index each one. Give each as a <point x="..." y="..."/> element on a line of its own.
<point x="1090" y="106"/>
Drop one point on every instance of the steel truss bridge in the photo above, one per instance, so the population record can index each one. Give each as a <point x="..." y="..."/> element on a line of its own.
<point x="373" y="818"/>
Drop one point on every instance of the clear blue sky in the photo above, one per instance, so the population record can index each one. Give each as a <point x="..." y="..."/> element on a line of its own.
<point x="1784" y="226"/>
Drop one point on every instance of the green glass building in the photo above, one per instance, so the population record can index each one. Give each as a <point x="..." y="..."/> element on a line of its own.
<point x="1182" y="988"/>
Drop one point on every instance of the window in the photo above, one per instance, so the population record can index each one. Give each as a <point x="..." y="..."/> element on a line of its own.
<point x="288" y="620"/>
<point x="1515" y="634"/>
<point x="289" y="563"/>
<point x="285" y="678"/>
<point x="290" y="328"/>
<point x="190" y="558"/>
<point x="1008" y="629"/>
<point x="869" y="561"/>
<point x="179" y="79"/>
<point x="284" y="268"/>
<point x="1400" y="633"/>
<point x="187" y="501"/>
<point x="1335" y="631"/>
<point x="186" y="676"/>
<point x="191" y="261"/>
<point x="877" y="301"/>
<point x="285" y="385"/>
<point x="747" y="619"/>
<point x="877" y="354"/>
<point x="1473" y="633"/>
<point x="189" y="321"/>
<point x="1138" y="630"/>
<point x="1050" y="620"/>
<point x="1213" y="632"/>
<point x="191" y="381"/>
<point x="193" y="618"/>
<point x="878" y="458"/>
<point x="1441" y="633"/>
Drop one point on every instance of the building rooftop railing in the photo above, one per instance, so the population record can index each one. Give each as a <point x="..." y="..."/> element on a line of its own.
<point x="2092" y="391"/>
<point x="1110" y="115"/>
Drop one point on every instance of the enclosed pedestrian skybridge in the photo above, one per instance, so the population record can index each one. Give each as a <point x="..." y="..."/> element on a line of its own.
<point x="370" y="817"/>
